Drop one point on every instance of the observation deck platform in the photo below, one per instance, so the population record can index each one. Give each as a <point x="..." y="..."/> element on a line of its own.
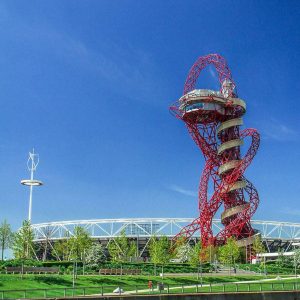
<point x="208" y="101"/>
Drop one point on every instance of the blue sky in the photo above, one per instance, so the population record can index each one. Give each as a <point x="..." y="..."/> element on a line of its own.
<point x="89" y="83"/>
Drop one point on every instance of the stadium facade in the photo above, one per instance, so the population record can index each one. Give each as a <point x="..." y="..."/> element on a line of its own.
<point x="277" y="236"/>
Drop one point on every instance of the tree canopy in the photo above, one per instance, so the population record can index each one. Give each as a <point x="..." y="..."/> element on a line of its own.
<point x="229" y="253"/>
<point x="159" y="249"/>
<point x="121" y="249"/>
<point x="95" y="255"/>
<point x="23" y="246"/>
<point x="80" y="243"/>
<point x="258" y="246"/>
<point x="6" y="237"/>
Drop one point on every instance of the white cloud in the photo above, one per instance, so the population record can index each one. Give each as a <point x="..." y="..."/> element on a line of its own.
<point x="183" y="191"/>
<point x="278" y="131"/>
<point x="212" y="72"/>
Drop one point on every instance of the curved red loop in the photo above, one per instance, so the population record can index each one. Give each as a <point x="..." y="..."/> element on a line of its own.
<point x="202" y="62"/>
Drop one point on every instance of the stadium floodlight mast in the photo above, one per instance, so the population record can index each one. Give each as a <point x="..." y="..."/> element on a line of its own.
<point x="32" y="163"/>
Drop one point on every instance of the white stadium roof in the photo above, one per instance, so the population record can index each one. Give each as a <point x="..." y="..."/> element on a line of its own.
<point x="146" y="227"/>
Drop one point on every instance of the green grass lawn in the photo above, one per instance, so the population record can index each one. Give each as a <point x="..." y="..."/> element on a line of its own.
<point x="272" y="285"/>
<point x="60" y="285"/>
<point x="14" y="281"/>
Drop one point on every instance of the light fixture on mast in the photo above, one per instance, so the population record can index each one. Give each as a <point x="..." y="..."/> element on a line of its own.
<point x="32" y="163"/>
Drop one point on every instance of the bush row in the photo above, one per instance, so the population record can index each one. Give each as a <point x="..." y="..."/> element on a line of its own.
<point x="271" y="268"/>
<point x="147" y="268"/>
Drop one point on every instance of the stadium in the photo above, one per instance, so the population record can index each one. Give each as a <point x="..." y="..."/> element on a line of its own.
<point x="277" y="236"/>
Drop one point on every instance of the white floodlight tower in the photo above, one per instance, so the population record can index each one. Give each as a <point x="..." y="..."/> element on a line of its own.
<point x="32" y="163"/>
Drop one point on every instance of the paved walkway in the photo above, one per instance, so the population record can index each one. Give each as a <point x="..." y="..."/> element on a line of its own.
<point x="206" y="285"/>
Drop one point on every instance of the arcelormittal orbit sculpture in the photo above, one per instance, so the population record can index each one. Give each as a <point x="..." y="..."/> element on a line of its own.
<point x="213" y="119"/>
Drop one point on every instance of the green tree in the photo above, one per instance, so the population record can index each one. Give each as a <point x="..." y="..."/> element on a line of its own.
<point x="229" y="253"/>
<point x="62" y="249"/>
<point x="23" y="246"/>
<point x="114" y="251"/>
<point x="296" y="261"/>
<point x="47" y="232"/>
<point x="159" y="250"/>
<point x="95" y="256"/>
<point x="198" y="256"/>
<point x="211" y="252"/>
<point x="297" y="258"/>
<point x="6" y="237"/>
<point x="258" y="246"/>
<point x="284" y="261"/>
<point x="132" y="251"/>
<point x="121" y="249"/>
<point x="195" y="255"/>
<point x="80" y="243"/>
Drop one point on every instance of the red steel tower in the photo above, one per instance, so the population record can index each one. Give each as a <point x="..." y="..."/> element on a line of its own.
<point x="213" y="119"/>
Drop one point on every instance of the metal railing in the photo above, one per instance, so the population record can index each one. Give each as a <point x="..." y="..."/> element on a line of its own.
<point x="145" y="290"/>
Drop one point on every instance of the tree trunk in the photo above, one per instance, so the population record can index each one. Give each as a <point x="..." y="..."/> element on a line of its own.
<point x="83" y="265"/>
<point x="22" y="269"/>
<point x="2" y="248"/>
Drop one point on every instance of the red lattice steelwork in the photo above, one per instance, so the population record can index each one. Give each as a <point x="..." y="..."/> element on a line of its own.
<point x="213" y="119"/>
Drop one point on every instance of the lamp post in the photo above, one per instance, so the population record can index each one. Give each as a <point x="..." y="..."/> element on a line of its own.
<point x="32" y="163"/>
<point x="201" y="272"/>
<point x="265" y="268"/>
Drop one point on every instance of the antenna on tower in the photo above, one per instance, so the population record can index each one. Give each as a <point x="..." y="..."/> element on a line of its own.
<point x="32" y="163"/>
